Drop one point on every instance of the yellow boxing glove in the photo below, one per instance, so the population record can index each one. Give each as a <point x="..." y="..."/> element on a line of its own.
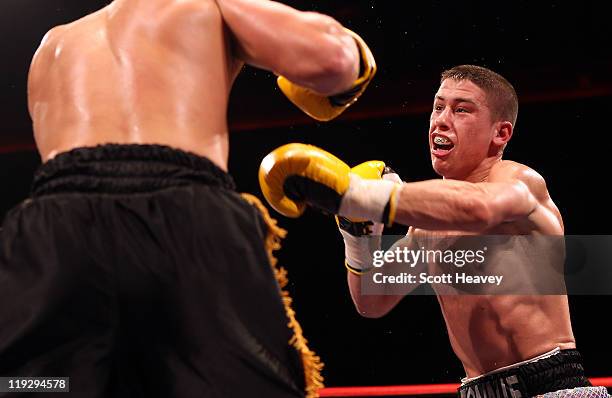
<point x="295" y="175"/>
<point x="324" y="108"/>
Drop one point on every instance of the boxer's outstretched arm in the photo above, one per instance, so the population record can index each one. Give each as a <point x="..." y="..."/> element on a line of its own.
<point x="308" y="48"/>
<point x="460" y="205"/>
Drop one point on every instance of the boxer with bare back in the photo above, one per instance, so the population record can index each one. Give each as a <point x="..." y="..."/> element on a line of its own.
<point x="135" y="268"/>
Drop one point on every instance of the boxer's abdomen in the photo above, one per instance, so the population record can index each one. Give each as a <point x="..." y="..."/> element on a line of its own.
<point x="489" y="332"/>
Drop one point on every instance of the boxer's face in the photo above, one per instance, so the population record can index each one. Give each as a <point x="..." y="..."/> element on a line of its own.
<point x="461" y="128"/>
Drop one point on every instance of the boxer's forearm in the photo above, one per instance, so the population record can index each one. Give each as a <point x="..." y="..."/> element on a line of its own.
<point x="459" y="205"/>
<point x="308" y="48"/>
<point x="370" y="306"/>
<point x="376" y="306"/>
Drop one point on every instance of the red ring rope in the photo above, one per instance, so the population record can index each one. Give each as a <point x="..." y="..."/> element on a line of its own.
<point x="416" y="389"/>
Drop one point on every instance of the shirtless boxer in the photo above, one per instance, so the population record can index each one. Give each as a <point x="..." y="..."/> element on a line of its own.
<point x="136" y="269"/>
<point x="510" y="345"/>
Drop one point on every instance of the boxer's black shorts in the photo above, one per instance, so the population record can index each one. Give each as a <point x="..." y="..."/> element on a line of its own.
<point x="138" y="271"/>
<point x="560" y="371"/>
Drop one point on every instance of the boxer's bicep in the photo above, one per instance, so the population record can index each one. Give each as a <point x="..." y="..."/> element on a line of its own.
<point x="545" y="213"/>
<point x="510" y="201"/>
<point x="518" y="191"/>
<point x="308" y="48"/>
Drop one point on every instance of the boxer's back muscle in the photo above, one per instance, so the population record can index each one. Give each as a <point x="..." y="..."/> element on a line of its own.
<point x="155" y="71"/>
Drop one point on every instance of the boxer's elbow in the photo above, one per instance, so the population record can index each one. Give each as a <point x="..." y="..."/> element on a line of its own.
<point x="371" y="313"/>
<point x="337" y="72"/>
<point x="328" y="62"/>
<point x="372" y="306"/>
<point x="340" y="64"/>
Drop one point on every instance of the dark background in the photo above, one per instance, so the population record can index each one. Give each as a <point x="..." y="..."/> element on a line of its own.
<point x="556" y="54"/>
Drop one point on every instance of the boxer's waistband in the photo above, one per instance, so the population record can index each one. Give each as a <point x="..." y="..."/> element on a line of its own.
<point x="114" y="168"/>
<point x="557" y="370"/>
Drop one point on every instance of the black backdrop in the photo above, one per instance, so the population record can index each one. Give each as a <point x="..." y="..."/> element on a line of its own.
<point x="558" y="57"/>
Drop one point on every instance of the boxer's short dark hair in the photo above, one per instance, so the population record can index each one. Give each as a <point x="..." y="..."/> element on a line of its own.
<point x="501" y="95"/>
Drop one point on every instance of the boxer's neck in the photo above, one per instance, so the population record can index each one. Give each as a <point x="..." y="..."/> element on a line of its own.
<point x="482" y="171"/>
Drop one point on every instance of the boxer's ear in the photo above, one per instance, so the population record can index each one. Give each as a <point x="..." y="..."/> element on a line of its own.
<point x="503" y="133"/>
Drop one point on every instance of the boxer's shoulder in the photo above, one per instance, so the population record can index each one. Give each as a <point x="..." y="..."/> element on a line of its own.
<point x="43" y="58"/>
<point x="50" y="40"/>
<point x="513" y="170"/>
<point x="58" y="42"/>
<point x="163" y="11"/>
<point x="508" y="171"/>
<point x="54" y="34"/>
<point x="546" y="214"/>
<point x="60" y="35"/>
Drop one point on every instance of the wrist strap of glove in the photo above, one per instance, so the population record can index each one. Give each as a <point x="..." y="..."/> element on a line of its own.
<point x="370" y="199"/>
<point x="356" y="271"/>
<point x="358" y="252"/>
<point x="356" y="228"/>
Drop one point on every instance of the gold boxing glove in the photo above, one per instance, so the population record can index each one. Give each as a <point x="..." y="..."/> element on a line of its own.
<point x="325" y="108"/>
<point x="296" y="175"/>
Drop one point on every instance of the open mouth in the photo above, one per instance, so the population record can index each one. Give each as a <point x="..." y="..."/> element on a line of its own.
<point x="442" y="145"/>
